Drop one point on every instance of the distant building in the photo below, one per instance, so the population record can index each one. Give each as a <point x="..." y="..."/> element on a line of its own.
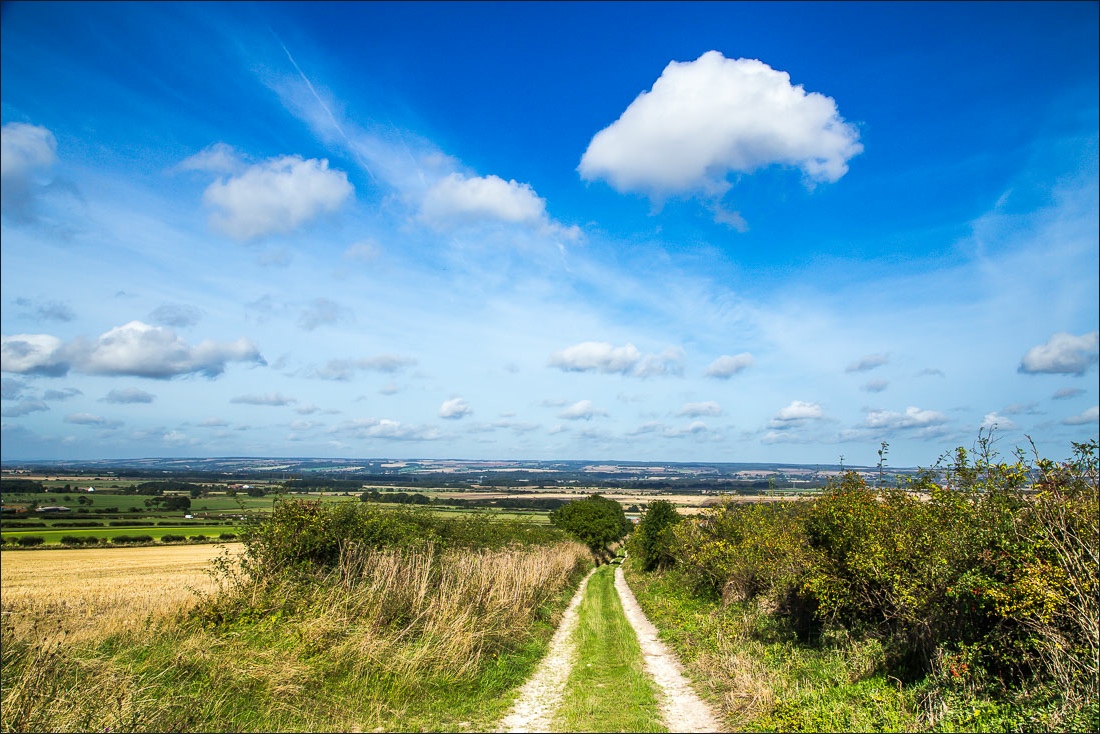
<point x="57" y="508"/>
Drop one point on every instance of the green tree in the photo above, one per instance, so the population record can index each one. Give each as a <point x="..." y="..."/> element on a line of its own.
<point x="652" y="541"/>
<point x="595" y="521"/>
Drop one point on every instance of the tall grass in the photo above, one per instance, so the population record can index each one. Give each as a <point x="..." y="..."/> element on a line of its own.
<point x="390" y="639"/>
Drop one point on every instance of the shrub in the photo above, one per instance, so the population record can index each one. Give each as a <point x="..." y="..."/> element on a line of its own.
<point x="71" y="540"/>
<point x="30" y="541"/>
<point x="595" y="521"/>
<point x="651" y="542"/>
<point x="169" y="538"/>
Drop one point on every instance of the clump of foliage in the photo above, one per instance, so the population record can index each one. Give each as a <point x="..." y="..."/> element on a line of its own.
<point x="978" y="579"/>
<point x="651" y="542"/>
<point x="595" y="521"/>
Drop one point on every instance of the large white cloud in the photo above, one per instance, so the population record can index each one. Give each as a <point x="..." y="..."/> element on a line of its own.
<point x="706" y="118"/>
<point x="276" y="196"/>
<point x="456" y="200"/>
<point x="26" y="151"/>
<point x="1063" y="354"/>
<point x="135" y="349"/>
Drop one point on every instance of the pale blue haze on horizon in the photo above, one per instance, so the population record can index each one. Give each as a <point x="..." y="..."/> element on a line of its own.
<point x="762" y="232"/>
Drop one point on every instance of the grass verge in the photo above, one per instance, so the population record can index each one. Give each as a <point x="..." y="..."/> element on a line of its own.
<point x="608" y="689"/>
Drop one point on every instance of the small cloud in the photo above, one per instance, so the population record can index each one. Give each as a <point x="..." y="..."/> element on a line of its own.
<point x="46" y="311"/>
<point x="384" y="428"/>
<point x="62" y="394"/>
<point x="454" y="409"/>
<point x="218" y="158"/>
<point x="1063" y="354"/>
<point x="1021" y="409"/>
<point x="931" y="372"/>
<point x="1067" y="392"/>
<point x="726" y="366"/>
<point x="457" y="200"/>
<point x="869" y="362"/>
<point x="1088" y="417"/>
<point x="390" y="389"/>
<point x="343" y="370"/>
<point x="175" y="314"/>
<point x="362" y="252"/>
<point x="276" y="196"/>
<point x="874" y="386"/>
<point x="214" y="423"/>
<point x="11" y="389"/>
<point x="271" y="398"/>
<point x="606" y="358"/>
<point x="26" y="407"/>
<point x="128" y="395"/>
<point x="581" y="410"/>
<point x="996" y="420"/>
<point x="88" y="419"/>
<point x="694" y="410"/>
<point x="322" y="312"/>
<point x="796" y="414"/>
<point x="912" y="418"/>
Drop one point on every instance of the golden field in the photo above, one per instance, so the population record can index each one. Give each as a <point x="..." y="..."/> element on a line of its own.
<point x="80" y="594"/>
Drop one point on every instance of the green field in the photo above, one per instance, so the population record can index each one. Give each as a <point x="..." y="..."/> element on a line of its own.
<point x="53" y="537"/>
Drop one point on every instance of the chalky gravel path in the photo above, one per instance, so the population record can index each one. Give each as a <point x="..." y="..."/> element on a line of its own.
<point x="682" y="710"/>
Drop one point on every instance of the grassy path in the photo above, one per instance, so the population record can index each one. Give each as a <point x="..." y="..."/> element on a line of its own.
<point x="608" y="688"/>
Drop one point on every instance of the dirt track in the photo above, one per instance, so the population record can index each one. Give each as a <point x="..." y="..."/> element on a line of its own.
<point x="681" y="709"/>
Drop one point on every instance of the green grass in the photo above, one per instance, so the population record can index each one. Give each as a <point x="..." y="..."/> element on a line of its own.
<point x="608" y="689"/>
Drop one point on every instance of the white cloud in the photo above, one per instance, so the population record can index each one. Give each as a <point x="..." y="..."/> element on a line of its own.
<point x="136" y="349"/>
<point x="89" y="419"/>
<point x="457" y="200"/>
<point x="1089" y="416"/>
<point x="32" y="354"/>
<point x="869" y="362"/>
<point x="581" y="410"/>
<point x="596" y="357"/>
<point x="362" y="252"/>
<point x="1063" y="354"/>
<point x="726" y="367"/>
<point x="26" y="151"/>
<point x="140" y="350"/>
<point x="693" y="410"/>
<point x="276" y="196"/>
<point x="874" y="386"/>
<point x="798" y="411"/>
<point x="911" y="418"/>
<point x="217" y="158"/>
<point x="1066" y="393"/>
<point x="127" y="395"/>
<point x="996" y="420"/>
<point x="271" y="398"/>
<point x="455" y="408"/>
<point x="706" y="118"/>
<point x="63" y="394"/>
<point x="609" y="359"/>
<point x="386" y="428"/>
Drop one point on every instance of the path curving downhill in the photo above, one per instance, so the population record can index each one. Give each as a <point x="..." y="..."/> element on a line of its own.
<point x="682" y="709"/>
<point x="541" y="695"/>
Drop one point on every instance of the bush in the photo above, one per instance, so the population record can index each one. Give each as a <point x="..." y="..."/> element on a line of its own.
<point x="30" y="541"/>
<point x="168" y="538"/>
<point x="652" y="540"/>
<point x="595" y="521"/>
<point x="71" y="540"/>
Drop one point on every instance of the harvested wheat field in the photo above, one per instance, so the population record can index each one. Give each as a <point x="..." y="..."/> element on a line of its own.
<point x="94" y="592"/>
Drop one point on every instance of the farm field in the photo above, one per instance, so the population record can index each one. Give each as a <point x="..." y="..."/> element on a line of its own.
<point x="54" y="536"/>
<point x="85" y="594"/>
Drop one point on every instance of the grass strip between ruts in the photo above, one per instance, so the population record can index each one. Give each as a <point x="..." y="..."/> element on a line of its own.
<point x="608" y="689"/>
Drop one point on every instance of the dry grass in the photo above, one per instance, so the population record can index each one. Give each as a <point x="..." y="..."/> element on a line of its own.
<point x="98" y="592"/>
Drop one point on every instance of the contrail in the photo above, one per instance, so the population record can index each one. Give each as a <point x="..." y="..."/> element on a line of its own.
<point x="351" y="146"/>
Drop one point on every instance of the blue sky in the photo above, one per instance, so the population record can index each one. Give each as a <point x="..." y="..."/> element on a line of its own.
<point x="635" y="231"/>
